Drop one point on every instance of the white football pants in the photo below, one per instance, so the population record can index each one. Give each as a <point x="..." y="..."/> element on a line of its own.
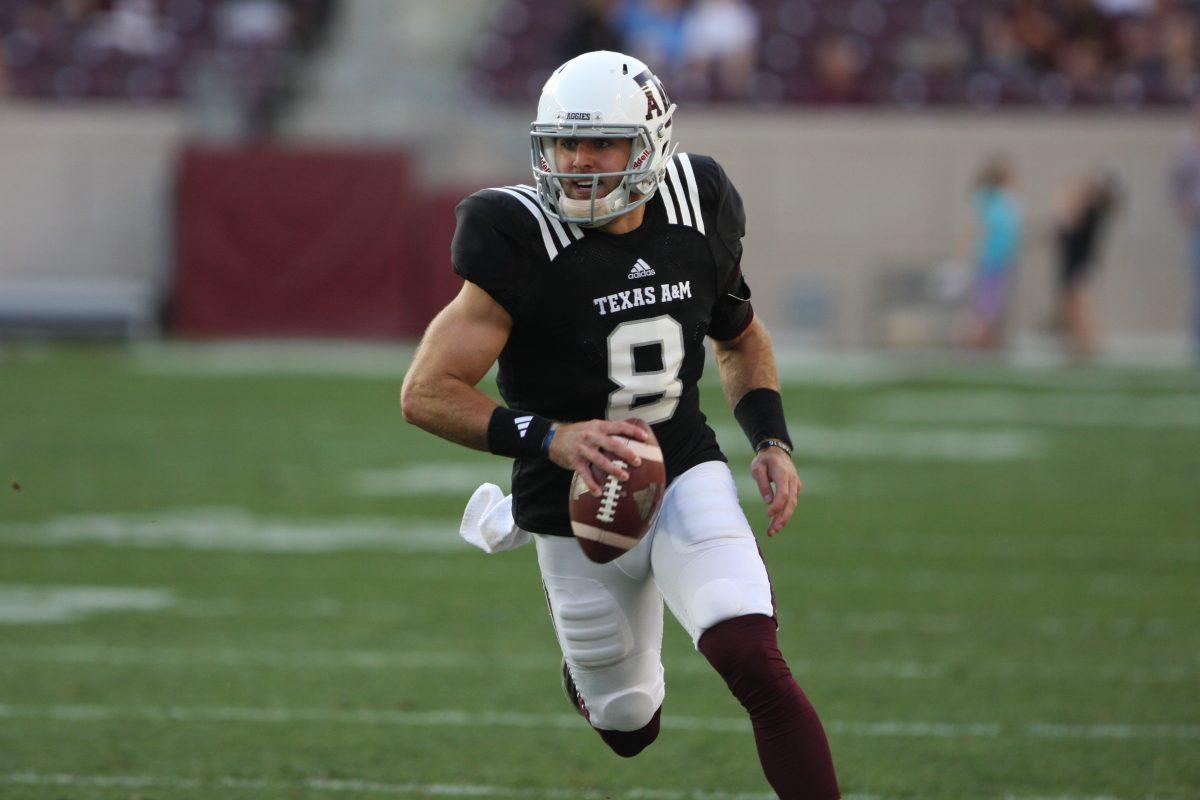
<point x="700" y="556"/>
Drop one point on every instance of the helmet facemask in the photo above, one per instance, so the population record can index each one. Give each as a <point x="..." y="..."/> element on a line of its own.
<point x="641" y="176"/>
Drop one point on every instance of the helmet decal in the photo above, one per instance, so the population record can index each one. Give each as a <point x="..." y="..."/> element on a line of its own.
<point x="650" y="84"/>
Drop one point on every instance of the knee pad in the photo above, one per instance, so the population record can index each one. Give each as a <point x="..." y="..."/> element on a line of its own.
<point x="623" y="697"/>
<point x="629" y="710"/>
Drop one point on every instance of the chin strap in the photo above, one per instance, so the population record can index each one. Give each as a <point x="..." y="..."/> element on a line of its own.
<point x="581" y="211"/>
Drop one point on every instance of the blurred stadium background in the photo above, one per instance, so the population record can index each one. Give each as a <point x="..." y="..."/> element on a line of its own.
<point x="227" y="568"/>
<point x="161" y="156"/>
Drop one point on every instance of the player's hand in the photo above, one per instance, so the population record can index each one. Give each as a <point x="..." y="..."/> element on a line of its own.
<point x="778" y="484"/>
<point x="582" y="445"/>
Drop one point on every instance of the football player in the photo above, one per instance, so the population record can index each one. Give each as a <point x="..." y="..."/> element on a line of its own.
<point x="595" y="289"/>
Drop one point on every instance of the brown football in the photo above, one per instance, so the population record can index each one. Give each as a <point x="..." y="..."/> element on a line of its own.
<point x="608" y="525"/>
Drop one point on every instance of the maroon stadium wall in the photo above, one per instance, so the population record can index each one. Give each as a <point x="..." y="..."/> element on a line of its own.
<point x="308" y="242"/>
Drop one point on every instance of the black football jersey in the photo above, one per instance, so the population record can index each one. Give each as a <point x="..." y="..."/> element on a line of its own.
<point x="609" y="326"/>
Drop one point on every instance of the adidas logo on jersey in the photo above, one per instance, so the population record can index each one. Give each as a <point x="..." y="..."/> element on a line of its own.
<point x="640" y="270"/>
<point x="522" y="425"/>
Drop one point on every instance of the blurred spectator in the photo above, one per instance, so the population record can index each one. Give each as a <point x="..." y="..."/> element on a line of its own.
<point x="1084" y="51"/>
<point x="132" y="27"/>
<point x="1185" y="194"/>
<point x="937" y="51"/>
<point x="252" y="62"/>
<point x="652" y="31"/>
<point x="1081" y="62"/>
<point x="997" y="245"/>
<point x="1085" y="208"/>
<point x="1179" y="33"/>
<point x="590" y="27"/>
<point x="719" y="46"/>
<point x="5" y="84"/>
<point x="252" y="23"/>
<point x="999" y="50"/>
<point x="1123" y="7"/>
<point x="311" y="23"/>
<point x="840" y="70"/>
<point x="1084" y="19"/>
<point x="1036" y="33"/>
<point x="1138" y="43"/>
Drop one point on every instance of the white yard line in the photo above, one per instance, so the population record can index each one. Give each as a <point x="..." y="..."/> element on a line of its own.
<point x="1060" y="409"/>
<point x="806" y="366"/>
<point x="1015" y="578"/>
<point x="540" y="662"/>
<point x="235" y="529"/>
<point x="1113" y="730"/>
<point x="32" y="604"/>
<point x="272" y="357"/>
<point x="1012" y="547"/>
<point x="854" y="622"/>
<point x="40" y="605"/>
<point x="456" y="478"/>
<point x="506" y="719"/>
<point x="797" y="364"/>
<point x="335" y="786"/>
<point x="351" y="786"/>
<point x="881" y="443"/>
<point x="459" y="479"/>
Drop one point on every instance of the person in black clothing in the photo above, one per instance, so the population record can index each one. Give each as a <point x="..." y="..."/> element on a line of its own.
<point x="1084" y="212"/>
<point x="595" y="289"/>
<point x="589" y="27"/>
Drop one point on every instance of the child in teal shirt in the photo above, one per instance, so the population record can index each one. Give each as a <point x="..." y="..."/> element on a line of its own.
<point x="998" y="223"/>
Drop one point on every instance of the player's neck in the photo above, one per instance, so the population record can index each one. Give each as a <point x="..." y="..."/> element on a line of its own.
<point x="627" y="222"/>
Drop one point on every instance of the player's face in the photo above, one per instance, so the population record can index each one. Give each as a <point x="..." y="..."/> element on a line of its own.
<point x="584" y="156"/>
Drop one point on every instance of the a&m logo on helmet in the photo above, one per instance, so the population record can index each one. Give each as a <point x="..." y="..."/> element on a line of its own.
<point x="651" y="84"/>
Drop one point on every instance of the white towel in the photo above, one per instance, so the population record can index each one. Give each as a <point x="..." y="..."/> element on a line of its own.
<point x="488" y="521"/>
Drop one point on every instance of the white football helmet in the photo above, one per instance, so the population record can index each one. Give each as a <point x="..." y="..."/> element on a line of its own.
<point x="602" y="95"/>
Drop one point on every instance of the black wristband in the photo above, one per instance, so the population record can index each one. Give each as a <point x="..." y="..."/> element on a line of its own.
<point x="760" y="413"/>
<point x="517" y="434"/>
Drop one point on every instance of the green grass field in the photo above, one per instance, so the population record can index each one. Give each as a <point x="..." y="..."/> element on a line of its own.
<point x="230" y="572"/>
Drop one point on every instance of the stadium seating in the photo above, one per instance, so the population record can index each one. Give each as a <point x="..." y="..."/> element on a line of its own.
<point x="143" y="51"/>
<point x="909" y="53"/>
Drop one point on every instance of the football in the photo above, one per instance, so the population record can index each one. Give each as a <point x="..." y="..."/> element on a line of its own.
<point x="609" y="525"/>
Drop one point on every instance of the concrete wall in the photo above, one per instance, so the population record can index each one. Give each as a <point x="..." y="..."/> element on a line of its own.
<point x="833" y="200"/>
<point x="84" y="212"/>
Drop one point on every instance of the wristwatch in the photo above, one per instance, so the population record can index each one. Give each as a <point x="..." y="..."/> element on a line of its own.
<point x="780" y="443"/>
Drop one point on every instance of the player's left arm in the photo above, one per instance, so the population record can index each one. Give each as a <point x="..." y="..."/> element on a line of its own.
<point x="746" y="365"/>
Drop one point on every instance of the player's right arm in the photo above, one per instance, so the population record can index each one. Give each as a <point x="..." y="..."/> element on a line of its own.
<point x="440" y="395"/>
<point x="457" y="350"/>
